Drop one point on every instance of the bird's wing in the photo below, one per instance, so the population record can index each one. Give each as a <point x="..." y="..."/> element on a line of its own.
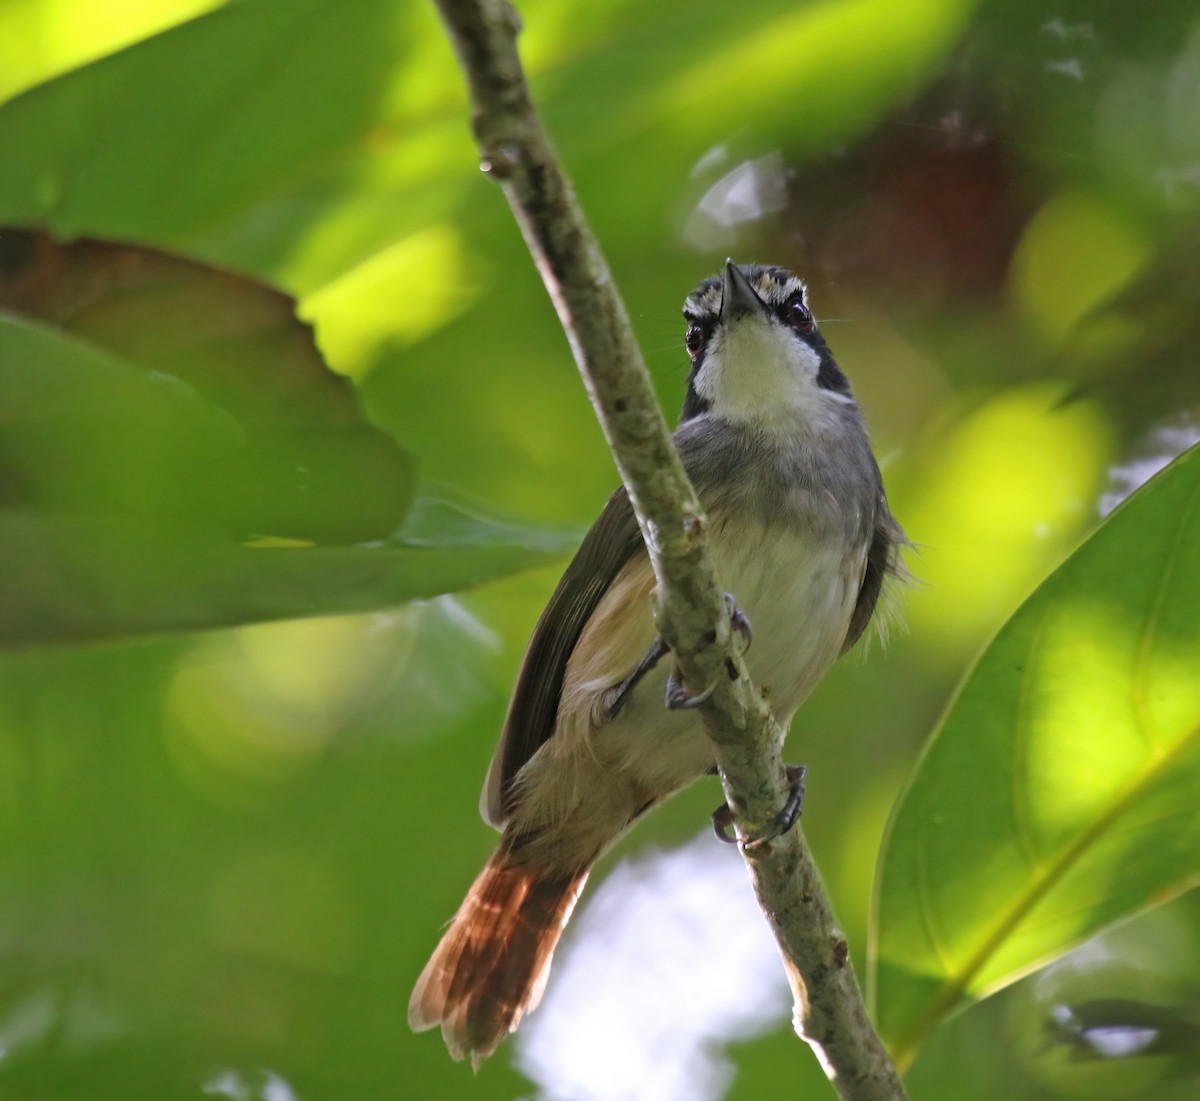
<point x="883" y="561"/>
<point x="613" y="540"/>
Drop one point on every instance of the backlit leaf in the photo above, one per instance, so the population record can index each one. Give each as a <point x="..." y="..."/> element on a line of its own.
<point x="1061" y="793"/>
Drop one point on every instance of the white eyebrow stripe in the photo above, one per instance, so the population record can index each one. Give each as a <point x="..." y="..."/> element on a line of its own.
<point x="779" y="293"/>
<point x="768" y="285"/>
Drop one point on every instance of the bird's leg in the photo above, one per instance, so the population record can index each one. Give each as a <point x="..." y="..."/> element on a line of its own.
<point x="678" y="696"/>
<point x="790" y="814"/>
<point x="793" y="806"/>
<point x="618" y="694"/>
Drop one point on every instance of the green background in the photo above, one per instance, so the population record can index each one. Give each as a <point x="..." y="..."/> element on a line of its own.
<point x="224" y="857"/>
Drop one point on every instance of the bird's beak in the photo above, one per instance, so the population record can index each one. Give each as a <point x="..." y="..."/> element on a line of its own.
<point x="737" y="296"/>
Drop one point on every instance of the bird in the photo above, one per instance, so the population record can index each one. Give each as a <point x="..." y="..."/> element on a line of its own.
<point x="599" y="730"/>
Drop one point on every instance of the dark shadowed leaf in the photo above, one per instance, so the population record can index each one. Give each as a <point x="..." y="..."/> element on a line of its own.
<point x="82" y="428"/>
<point x="1060" y="793"/>
<point x="171" y="414"/>
<point x="307" y="465"/>
<point x="75" y="578"/>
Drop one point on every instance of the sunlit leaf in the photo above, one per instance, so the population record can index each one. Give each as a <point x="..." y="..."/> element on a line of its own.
<point x="223" y="139"/>
<point x="40" y="38"/>
<point x="1075" y="253"/>
<point x="232" y="135"/>
<point x="1060" y="792"/>
<point x="856" y="55"/>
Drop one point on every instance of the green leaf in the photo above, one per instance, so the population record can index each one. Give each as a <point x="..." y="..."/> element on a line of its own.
<point x="127" y="495"/>
<point x="232" y="135"/>
<point x="82" y="428"/>
<point x="299" y="436"/>
<point x="74" y="578"/>
<point x="92" y="142"/>
<point x="1061" y="792"/>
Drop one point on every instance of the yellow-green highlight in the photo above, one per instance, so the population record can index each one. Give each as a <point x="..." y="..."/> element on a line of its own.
<point x="41" y="38"/>
<point x="1076" y="253"/>
<point x="396" y="298"/>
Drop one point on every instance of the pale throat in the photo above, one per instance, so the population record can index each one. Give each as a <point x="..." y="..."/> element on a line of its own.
<point x="762" y="375"/>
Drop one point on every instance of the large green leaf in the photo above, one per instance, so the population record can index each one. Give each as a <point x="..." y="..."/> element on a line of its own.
<point x="90" y="421"/>
<point x="82" y="428"/>
<point x="1062" y="790"/>
<point x="67" y="577"/>
<point x="93" y="145"/>
<point x="232" y="137"/>
<point x="123" y="509"/>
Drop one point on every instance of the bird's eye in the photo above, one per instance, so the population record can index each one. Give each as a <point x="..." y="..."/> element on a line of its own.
<point x="694" y="341"/>
<point x="799" y="316"/>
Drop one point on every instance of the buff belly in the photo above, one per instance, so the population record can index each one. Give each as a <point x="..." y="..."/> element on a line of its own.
<point x="597" y="773"/>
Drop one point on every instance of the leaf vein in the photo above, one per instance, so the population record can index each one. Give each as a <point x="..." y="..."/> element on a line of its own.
<point x="1020" y="765"/>
<point x="1049" y="874"/>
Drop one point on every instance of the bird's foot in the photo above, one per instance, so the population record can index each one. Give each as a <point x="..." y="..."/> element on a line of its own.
<point x="681" y="698"/>
<point x="618" y="694"/>
<point x="722" y="819"/>
<point x="739" y="621"/>
<point x="787" y="817"/>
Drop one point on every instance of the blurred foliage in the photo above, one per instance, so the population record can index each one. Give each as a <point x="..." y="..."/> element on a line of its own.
<point x="224" y="858"/>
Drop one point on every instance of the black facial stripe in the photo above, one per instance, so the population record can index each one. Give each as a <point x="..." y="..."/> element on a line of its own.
<point x="778" y="289"/>
<point x="693" y="403"/>
<point x="829" y="374"/>
<point x="693" y="406"/>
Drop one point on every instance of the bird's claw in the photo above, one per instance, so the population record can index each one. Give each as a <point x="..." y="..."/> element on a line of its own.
<point x="722" y="819"/>
<point x="679" y="698"/>
<point x="788" y="816"/>
<point x="739" y="621"/>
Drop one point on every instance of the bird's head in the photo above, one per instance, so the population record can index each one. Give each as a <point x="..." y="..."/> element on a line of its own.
<point x="758" y="358"/>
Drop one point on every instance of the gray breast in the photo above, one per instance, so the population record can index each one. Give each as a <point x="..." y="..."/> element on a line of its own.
<point x="826" y="487"/>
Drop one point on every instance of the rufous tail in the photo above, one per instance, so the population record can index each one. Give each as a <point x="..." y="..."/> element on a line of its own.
<point x="491" y="966"/>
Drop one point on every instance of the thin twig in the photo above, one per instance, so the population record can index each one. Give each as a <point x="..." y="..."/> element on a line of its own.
<point x="691" y="612"/>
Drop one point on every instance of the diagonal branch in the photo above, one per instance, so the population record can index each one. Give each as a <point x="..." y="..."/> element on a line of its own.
<point x="691" y="611"/>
